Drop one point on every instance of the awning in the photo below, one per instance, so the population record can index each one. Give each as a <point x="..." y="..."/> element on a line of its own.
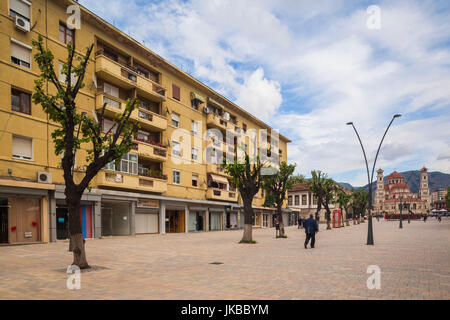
<point x="219" y="179"/>
<point x="195" y="96"/>
<point x="216" y="103"/>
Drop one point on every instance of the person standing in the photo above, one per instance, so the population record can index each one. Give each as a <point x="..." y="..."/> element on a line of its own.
<point x="311" y="227"/>
<point x="439" y="217"/>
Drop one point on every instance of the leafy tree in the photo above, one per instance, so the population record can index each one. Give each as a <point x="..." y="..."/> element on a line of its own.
<point x="61" y="108"/>
<point x="343" y="199"/>
<point x="315" y="184"/>
<point x="247" y="178"/>
<point x="297" y="179"/>
<point x="277" y="186"/>
<point x="360" y="202"/>
<point x="447" y="198"/>
<point x="329" y="191"/>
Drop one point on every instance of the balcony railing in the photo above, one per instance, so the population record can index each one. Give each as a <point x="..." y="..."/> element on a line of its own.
<point x="221" y="194"/>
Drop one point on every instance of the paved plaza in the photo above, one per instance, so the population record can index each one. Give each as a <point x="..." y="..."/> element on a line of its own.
<point x="414" y="263"/>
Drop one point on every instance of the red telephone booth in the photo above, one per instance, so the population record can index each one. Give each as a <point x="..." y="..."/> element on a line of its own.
<point x="336" y="218"/>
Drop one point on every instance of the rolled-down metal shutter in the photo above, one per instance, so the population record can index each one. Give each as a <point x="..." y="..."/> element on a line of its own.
<point x="147" y="222"/>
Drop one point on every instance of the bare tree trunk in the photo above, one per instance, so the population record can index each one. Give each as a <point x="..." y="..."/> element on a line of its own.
<point x="248" y="221"/>
<point x="78" y="249"/>
<point x="280" y="221"/>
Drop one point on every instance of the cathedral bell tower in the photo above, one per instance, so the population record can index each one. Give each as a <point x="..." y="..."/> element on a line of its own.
<point x="379" y="195"/>
<point x="424" y="191"/>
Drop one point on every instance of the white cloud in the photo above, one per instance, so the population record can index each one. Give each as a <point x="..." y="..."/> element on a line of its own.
<point x="337" y="70"/>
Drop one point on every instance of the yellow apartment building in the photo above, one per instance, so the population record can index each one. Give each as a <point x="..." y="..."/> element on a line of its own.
<point x="171" y="180"/>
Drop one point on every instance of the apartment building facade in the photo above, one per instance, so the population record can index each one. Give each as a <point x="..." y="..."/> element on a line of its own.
<point x="171" y="180"/>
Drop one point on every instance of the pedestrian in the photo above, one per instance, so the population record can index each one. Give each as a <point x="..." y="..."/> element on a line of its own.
<point x="439" y="217"/>
<point x="277" y="227"/>
<point x="300" y="222"/>
<point x="311" y="227"/>
<point x="425" y="218"/>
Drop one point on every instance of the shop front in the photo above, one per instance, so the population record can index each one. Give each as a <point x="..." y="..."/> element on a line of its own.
<point x="197" y="219"/>
<point x="24" y="214"/>
<point x="215" y="219"/>
<point x="147" y="216"/>
<point x="232" y="218"/>
<point x="175" y="221"/>
<point x="116" y="216"/>
<point x="62" y="221"/>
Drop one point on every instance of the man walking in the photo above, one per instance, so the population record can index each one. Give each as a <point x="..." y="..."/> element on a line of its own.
<point x="311" y="228"/>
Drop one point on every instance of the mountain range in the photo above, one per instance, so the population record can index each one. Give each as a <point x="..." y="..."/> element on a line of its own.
<point x="436" y="180"/>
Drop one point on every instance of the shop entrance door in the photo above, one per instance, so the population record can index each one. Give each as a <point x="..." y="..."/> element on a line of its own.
<point x="3" y="220"/>
<point x="107" y="226"/>
<point x="62" y="223"/>
<point x="174" y="221"/>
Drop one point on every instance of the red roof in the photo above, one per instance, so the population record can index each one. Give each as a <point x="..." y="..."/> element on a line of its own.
<point x="400" y="185"/>
<point x="395" y="175"/>
<point x="424" y="169"/>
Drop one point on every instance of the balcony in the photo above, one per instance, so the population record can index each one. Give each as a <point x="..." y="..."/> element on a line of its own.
<point x="126" y="77"/>
<point x="149" y="151"/>
<point x="116" y="106"/>
<point x="217" y="121"/>
<point x="216" y="168"/>
<point x="114" y="73"/>
<point x="220" y="194"/>
<point x="119" y="180"/>
<point x="149" y="119"/>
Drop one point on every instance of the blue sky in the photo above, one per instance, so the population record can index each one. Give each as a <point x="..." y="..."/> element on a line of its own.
<point x="308" y="67"/>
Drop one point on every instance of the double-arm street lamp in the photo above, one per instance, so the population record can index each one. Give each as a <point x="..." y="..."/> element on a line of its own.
<point x="370" y="177"/>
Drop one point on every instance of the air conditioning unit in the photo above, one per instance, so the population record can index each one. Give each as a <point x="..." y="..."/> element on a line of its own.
<point x="44" y="177"/>
<point x="205" y="110"/>
<point x="118" y="178"/>
<point x="22" y="24"/>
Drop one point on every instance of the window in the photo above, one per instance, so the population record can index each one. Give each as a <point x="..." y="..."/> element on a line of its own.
<point x="194" y="154"/>
<point x="107" y="125"/>
<point x="244" y="127"/>
<point x="195" y="104"/>
<point x="20" y="54"/>
<point x="297" y="200"/>
<point x="128" y="164"/>
<point x="303" y="199"/>
<point x="66" y="35"/>
<point x="111" y="102"/>
<point x="176" y="92"/>
<point x="176" y="148"/>
<point x="111" y="90"/>
<point x="194" y="127"/>
<point x="143" y="136"/>
<point x="175" y="119"/>
<point x="20" y="101"/>
<point x="176" y="177"/>
<point x="63" y="77"/>
<point x="290" y="200"/>
<point x="22" y="148"/>
<point x="20" y="8"/>
<point x="195" y="180"/>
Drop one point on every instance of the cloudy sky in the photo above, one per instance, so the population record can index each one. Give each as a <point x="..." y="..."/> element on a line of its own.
<point x="308" y="67"/>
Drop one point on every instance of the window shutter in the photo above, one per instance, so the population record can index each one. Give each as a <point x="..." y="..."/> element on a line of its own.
<point x="22" y="147"/>
<point x="20" y="7"/>
<point x="176" y="117"/>
<point x="20" y="52"/>
<point x="176" y="92"/>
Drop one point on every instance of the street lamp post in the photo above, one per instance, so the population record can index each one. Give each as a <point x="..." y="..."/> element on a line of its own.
<point x="370" y="178"/>
<point x="401" y="216"/>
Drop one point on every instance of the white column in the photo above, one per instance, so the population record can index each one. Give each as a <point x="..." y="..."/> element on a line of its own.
<point x="162" y="218"/>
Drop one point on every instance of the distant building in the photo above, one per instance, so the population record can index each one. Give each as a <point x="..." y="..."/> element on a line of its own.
<point x="388" y="198"/>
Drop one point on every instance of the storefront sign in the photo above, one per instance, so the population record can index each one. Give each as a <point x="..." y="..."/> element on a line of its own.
<point x="28" y="234"/>
<point x="145" y="203"/>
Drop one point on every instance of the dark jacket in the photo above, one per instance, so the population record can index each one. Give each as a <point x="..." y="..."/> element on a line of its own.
<point x="310" y="226"/>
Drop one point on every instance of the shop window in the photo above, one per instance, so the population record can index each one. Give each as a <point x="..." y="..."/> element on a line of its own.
<point x="175" y="119"/>
<point x="21" y="8"/>
<point x="176" y="176"/>
<point x="176" y="92"/>
<point x="22" y="148"/>
<point x="20" y="54"/>
<point x="66" y="35"/>
<point x="195" y="180"/>
<point x="20" y="101"/>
